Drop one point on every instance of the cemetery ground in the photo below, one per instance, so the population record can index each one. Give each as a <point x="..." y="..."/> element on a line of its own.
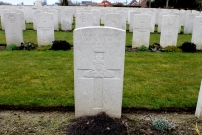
<point x="154" y="85"/>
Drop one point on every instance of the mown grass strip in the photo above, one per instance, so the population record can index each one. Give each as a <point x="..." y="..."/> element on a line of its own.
<point x="151" y="80"/>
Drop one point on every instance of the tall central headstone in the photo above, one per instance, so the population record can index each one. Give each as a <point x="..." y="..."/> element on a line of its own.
<point x="98" y="70"/>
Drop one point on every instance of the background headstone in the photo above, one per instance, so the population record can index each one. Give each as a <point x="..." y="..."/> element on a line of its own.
<point x="169" y="30"/>
<point x="189" y="22"/>
<point x="13" y="28"/>
<point x="197" y="32"/>
<point x="113" y="20"/>
<point x="84" y="20"/>
<point x="66" y="20"/>
<point x="45" y="29"/>
<point x="3" y="11"/>
<point x="141" y="30"/>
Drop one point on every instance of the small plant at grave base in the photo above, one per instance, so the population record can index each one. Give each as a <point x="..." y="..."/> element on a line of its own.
<point x="197" y="130"/>
<point x="60" y="45"/>
<point x="172" y="49"/>
<point x="156" y="48"/>
<point x="188" y="47"/>
<point x="162" y="125"/>
<point x="142" y="48"/>
<point x="11" y="47"/>
<point x="44" y="48"/>
<point x="27" y="46"/>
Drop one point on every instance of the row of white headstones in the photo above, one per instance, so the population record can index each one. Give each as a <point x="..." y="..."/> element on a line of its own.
<point x="141" y="23"/>
<point x="98" y="59"/>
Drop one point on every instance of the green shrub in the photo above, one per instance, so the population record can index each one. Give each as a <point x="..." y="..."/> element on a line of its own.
<point x="60" y="45"/>
<point x="11" y="47"/>
<point x="44" y="48"/>
<point x="142" y="48"/>
<point x="172" y="49"/>
<point x="162" y="125"/>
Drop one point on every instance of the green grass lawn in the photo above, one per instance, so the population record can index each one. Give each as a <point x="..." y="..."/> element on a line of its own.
<point x="152" y="80"/>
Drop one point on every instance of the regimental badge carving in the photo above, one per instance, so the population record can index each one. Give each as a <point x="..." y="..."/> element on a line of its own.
<point x="99" y="69"/>
<point x="11" y="18"/>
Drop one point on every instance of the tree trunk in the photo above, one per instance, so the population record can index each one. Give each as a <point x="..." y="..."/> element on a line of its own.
<point x="149" y="3"/>
<point x="167" y="3"/>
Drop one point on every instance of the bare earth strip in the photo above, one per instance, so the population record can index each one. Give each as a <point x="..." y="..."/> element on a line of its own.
<point x="55" y="123"/>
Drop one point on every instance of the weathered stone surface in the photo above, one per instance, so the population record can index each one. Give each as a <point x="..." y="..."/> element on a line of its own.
<point x="28" y="15"/>
<point x="21" y="12"/>
<point x="160" y="20"/>
<point x="13" y="28"/>
<point x="96" y="17"/>
<point x="84" y="20"/>
<point x="132" y="20"/>
<point x="66" y="20"/>
<point x="113" y="20"/>
<point x="98" y="70"/>
<point x="55" y="18"/>
<point x="36" y="17"/>
<point x="197" y="32"/>
<point x="45" y="29"/>
<point x="141" y="30"/>
<point x="3" y="11"/>
<point x="189" y="22"/>
<point x="169" y="30"/>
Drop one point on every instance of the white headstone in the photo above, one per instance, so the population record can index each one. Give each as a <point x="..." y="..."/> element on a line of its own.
<point x="153" y="17"/>
<point x="3" y="11"/>
<point x="66" y="20"/>
<point x="197" y="32"/>
<point x="169" y="30"/>
<point x="45" y="29"/>
<point x="113" y="20"/>
<point x="96" y="15"/>
<point x="141" y="30"/>
<point x="21" y="12"/>
<point x="189" y="22"/>
<point x="198" y="112"/>
<point x="132" y="20"/>
<point x="28" y="15"/>
<point x="98" y="70"/>
<point x="103" y="12"/>
<point x="84" y="20"/>
<point x="36" y="17"/>
<point x="55" y="18"/>
<point x="13" y="28"/>
<point x="160" y="20"/>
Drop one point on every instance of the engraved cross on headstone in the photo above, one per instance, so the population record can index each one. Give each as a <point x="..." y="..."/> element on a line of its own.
<point x="98" y="73"/>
